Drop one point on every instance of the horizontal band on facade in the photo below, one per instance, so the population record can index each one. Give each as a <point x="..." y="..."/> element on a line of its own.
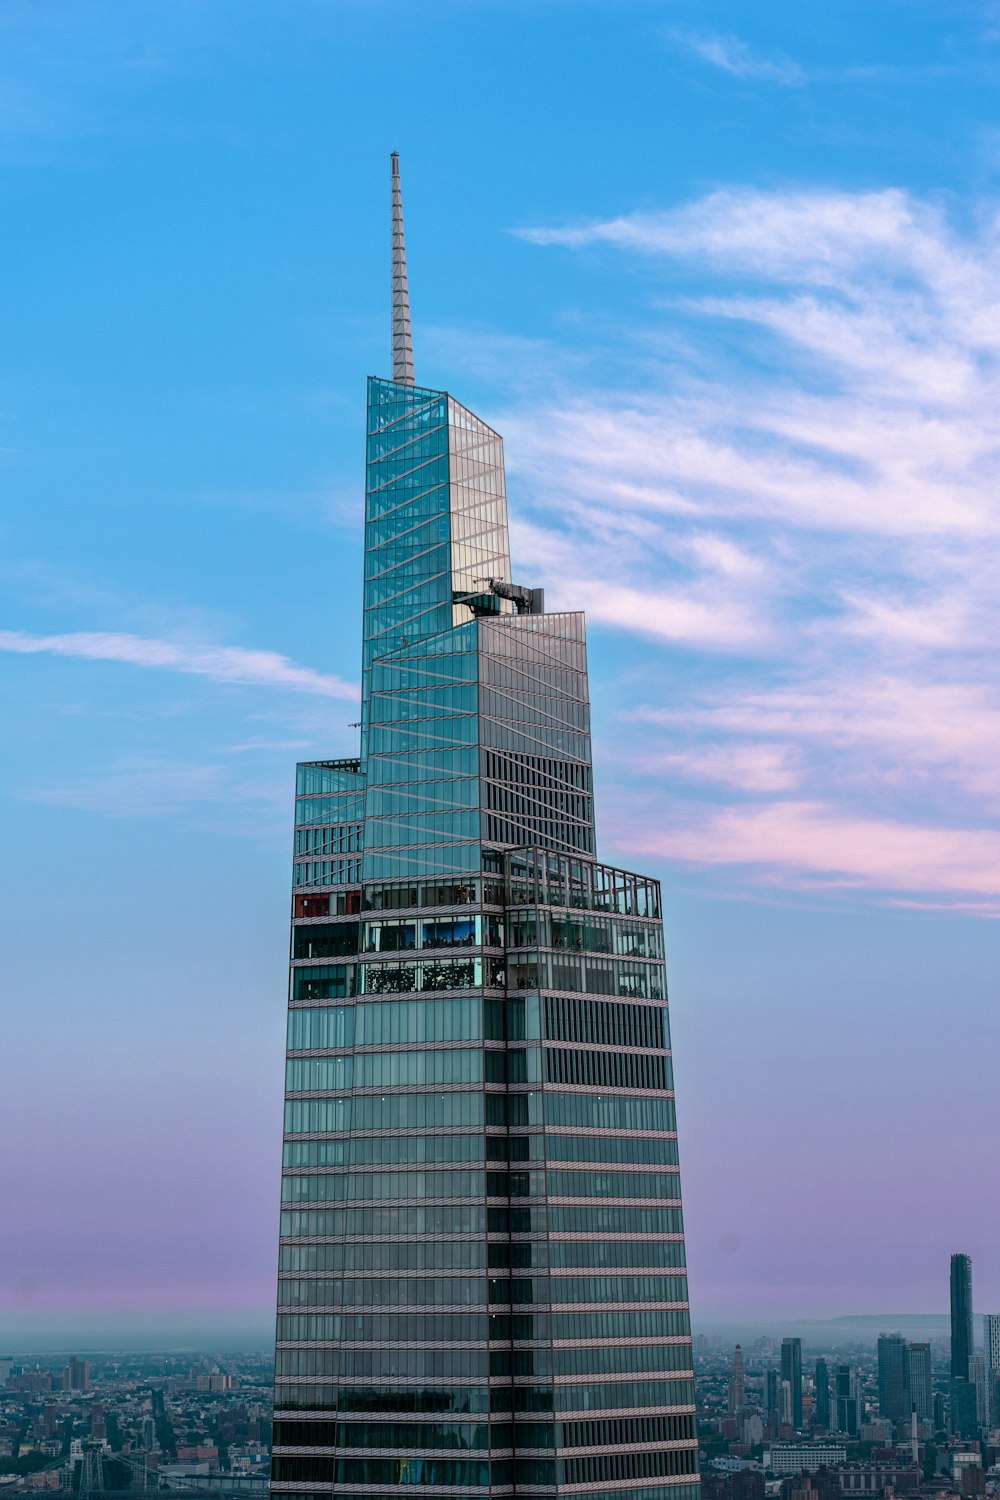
<point x="332" y="1345"/>
<point x="491" y="1132"/>
<point x="328" y="1451"/>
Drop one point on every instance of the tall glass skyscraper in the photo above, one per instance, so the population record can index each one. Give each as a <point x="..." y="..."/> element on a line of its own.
<point x="482" y="1285"/>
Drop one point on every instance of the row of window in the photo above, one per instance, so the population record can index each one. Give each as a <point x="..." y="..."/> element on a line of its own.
<point x="329" y="1223"/>
<point x="629" y="896"/>
<point x="451" y="762"/>
<point x="411" y="576"/>
<point x="391" y="1291"/>
<point x="622" y="1432"/>
<point x="602" y="1023"/>
<point x="344" y="807"/>
<point x="417" y="1435"/>
<point x="406" y="895"/>
<point x="326" y="940"/>
<point x="411" y="529"/>
<point x="393" y="1024"/>
<point x="395" y="1150"/>
<point x="437" y="932"/>
<point x="327" y="904"/>
<point x="340" y="838"/>
<point x="525" y="830"/>
<point x="326" y="872"/>
<point x="566" y="1019"/>
<point x="390" y="1255"/>
<point x="447" y="1328"/>
<point x="665" y="1491"/>
<point x="608" y="1467"/>
<point x="630" y="978"/>
<point x="604" y="1468"/>
<point x="370" y="1070"/>
<point x="434" y="974"/>
<point x="394" y="740"/>
<point x="328" y="778"/>
<point x="311" y="1469"/>
<point x="401" y="1150"/>
<point x="535" y="804"/>
<point x="624" y="1359"/>
<point x="612" y="1432"/>
<point x="468" y="1255"/>
<point x="467" y="1218"/>
<point x="470" y="1400"/>
<point x="476" y="1291"/>
<point x="537" y="770"/>
<point x="427" y="1363"/>
<point x="440" y="1111"/>
<point x="587" y="933"/>
<point x="360" y="1186"/>
<point x="438" y="1362"/>
<point x="391" y="1112"/>
<point x="613" y="1070"/>
<point x="632" y="1151"/>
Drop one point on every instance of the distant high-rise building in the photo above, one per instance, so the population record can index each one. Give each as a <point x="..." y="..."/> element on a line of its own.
<point x="961" y="1316"/>
<point x="821" y="1410"/>
<point x="977" y="1375"/>
<point x="919" y="1380"/>
<point x="939" y="1414"/>
<point x="76" y="1376"/>
<point x="771" y="1393"/>
<point x="847" y="1401"/>
<point x="991" y="1349"/>
<point x="482" y="1284"/>
<point x="738" y="1384"/>
<point x="964" y="1408"/>
<point x="791" y="1370"/>
<point x="893" y="1379"/>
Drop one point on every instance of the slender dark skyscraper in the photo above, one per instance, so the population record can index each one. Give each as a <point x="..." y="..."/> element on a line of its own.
<point x="821" y="1410"/>
<point x="893" y="1379"/>
<point x="791" y="1370"/>
<point x="482" y="1288"/>
<point x="961" y="1316"/>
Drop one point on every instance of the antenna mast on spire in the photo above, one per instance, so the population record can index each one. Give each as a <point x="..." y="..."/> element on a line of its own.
<point x="402" y="343"/>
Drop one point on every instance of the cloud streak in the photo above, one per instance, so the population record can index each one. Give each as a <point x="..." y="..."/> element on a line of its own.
<point x="801" y="476"/>
<point x="229" y="664"/>
<point x="732" y="55"/>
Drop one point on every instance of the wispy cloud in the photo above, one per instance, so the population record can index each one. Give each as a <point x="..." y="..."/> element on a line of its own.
<point x="153" y="786"/>
<point x="735" y="57"/>
<point x="822" y="508"/>
<point x="233" y="664"/>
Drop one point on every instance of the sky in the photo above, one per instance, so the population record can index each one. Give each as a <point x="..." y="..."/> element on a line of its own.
<point x="726" y="278"/>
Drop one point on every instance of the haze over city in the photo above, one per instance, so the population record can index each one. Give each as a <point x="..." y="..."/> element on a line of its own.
<point x="728" y="289"/>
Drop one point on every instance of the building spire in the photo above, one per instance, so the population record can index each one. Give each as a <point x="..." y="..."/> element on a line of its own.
<point x="402" y="343"/>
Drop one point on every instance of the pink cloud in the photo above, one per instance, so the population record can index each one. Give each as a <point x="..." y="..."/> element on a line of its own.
<point x="819" y="841"/>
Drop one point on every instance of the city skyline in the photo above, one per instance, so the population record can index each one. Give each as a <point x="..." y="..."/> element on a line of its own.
<point x="767" y="475"/>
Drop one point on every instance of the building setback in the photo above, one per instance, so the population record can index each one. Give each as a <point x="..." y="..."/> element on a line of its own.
<point x="482" y="1281"/>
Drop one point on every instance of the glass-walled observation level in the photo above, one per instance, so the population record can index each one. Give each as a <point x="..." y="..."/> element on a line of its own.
<point x="435" y="517"/>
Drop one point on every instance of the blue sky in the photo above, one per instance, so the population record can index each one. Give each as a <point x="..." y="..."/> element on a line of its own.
<point x="726" y="279"/>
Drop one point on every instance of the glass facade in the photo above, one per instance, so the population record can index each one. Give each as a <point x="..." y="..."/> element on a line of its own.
<point x="482" y="1285"/>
